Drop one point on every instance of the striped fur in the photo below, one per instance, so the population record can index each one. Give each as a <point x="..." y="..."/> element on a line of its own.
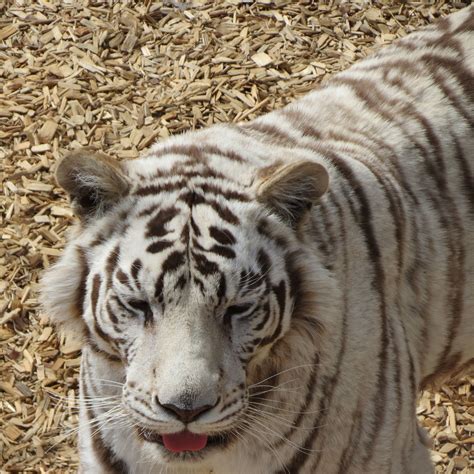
<point x="218" y="271"/>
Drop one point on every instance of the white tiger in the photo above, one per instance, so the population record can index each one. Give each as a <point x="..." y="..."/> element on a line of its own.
<point x="269" y="297"/>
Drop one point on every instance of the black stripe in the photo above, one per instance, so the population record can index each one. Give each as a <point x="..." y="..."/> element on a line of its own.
<point x="159" y="246"/>
<point x="156" y="227"/>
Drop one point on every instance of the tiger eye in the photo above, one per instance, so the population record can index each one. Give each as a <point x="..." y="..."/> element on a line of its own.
<point x="140" y="305"/>
<point x="235" y="310"/>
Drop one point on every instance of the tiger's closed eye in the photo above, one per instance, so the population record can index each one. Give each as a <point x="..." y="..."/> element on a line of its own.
<point x="234" y="310"/>
<point x="140" y="305"/>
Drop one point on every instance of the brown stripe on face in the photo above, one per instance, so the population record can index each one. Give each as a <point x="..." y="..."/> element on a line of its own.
<point x="111" y="314"/>
<point x="265" y="309"/>
<point x="156" y="226"/>
<point x="223" y="236"/>
<point x="171" y="264"/>
<point x="226" y="193"/>
<point x="111" y="264"/>
<point x="109" y="461"/>
<point x="89" y="341"/>
<point x="181" y="171"/>
<point x="221" y="289"/>
<point x="232" y="311"/>
<point x="98" y="351"/>
<point x="200" y="283"/>
<point x="156" y="189"/>
<point x="96" y="283"/>
<point x="99" y="239"/>
<point x="136" y="267"/>
<point x="225" y="252"/>
<point x="191" y="198"/>
<point x="181" y="283"/>
<point x="264" y="262"/>
<point x="184" y="237"/>
<point x="194" y="227"/>
<point x="159" y="246"/>
<point x="122" y="277"/>
<point x="148" y="211"/>
<point x="203" y="265"/>
<point x="280" y="293"/>
<point x="250" y="281"/>
<point x="81" y="290"/>
<point x="223" y="212"/>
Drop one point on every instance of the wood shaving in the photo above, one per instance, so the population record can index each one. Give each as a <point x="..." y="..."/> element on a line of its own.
<point x="118" y="75"/>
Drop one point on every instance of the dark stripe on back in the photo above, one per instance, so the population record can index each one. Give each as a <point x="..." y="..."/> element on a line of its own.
<point x="378" y="282"/>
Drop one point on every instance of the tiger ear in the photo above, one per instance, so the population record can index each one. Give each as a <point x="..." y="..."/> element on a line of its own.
<point x="93" y="180"/>
<point x="290" y="190"/>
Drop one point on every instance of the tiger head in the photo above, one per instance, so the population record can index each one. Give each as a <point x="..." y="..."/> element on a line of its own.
<point x="183" y="273"/>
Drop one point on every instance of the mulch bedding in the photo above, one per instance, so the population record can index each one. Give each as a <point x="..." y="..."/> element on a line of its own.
<point x="117" y="76"/>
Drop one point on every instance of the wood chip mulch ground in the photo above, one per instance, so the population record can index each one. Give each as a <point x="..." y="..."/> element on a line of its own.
<point x="118" y="75"/>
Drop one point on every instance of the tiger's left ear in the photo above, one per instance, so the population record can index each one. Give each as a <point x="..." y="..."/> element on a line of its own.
<point x="94" y="181"/>
<point x="290" y="190"/>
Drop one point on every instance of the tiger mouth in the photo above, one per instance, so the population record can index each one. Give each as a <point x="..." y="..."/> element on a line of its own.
<point x="219" y="440"/>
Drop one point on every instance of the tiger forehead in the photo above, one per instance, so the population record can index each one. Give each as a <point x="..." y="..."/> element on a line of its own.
<point x="204" y="167"/>
<point x="209" y="255"/>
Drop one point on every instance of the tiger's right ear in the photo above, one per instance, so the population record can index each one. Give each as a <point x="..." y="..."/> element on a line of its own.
<point x="93" y="180"/>
<point x="290" y="190"/>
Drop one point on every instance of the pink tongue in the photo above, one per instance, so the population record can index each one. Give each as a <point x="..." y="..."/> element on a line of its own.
<point x="184" y="441"/>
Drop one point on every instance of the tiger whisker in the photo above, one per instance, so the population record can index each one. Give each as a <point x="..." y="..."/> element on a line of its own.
<point x="283" y="372"/>
<point x="278" y="435"/>
<point x="273" y="407"/>
<point x="250" y="429"/>
<point x="278" y="419"/>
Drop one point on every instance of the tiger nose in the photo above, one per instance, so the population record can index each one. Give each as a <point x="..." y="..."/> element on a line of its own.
<point x="184" y="414"/>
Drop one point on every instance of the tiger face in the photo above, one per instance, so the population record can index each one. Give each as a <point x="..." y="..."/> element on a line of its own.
<point x="184" y="283"/>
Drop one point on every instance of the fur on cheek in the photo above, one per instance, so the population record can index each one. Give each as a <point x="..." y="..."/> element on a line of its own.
<point x="63" y="289"/>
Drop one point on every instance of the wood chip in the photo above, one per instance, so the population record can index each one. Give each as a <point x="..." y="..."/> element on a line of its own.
<point x="118" y="76"/>
<point x="262" y="59"/>
<point x="47" y="131"/>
